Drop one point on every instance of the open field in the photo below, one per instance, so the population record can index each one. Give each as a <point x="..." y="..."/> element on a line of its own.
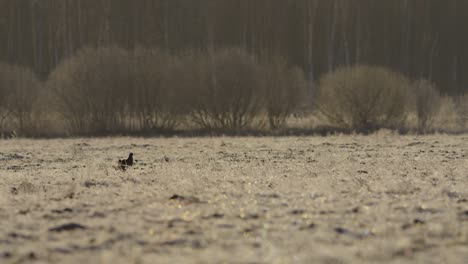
<point x="338" y="199"/>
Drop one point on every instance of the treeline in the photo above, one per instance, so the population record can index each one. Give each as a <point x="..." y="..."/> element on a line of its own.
<point x="109" y="91"/>
<point x="424" y="39"/>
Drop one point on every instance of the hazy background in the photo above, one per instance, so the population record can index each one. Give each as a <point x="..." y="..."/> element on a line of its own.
<point x="120" y="66"/>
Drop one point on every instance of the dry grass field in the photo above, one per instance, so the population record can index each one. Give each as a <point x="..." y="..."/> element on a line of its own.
<point x="340" y="199"/>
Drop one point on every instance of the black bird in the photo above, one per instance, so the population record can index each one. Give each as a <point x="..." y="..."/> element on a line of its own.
<point x="126" y="163"/>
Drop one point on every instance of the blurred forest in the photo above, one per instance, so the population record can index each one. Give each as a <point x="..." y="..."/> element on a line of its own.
<point x="425" y="40"/>
<point x="420" y="38"/>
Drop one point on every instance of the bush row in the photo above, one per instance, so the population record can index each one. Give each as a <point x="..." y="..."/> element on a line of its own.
<point x="112" y="90"/>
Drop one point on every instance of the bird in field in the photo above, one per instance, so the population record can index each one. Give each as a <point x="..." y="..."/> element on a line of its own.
<point x="124" y="163"/>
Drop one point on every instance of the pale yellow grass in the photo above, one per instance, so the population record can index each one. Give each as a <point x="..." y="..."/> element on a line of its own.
<point x="341" y="199"/>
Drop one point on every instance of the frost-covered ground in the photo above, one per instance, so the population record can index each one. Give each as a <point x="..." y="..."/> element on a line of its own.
<point x="338" y="199"/>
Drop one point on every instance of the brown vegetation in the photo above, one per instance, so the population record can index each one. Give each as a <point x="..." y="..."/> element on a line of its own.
<point x="19" y="90"/>
<point x="364" y="98"/>
<point x="230" y="91"/>
<point x="285" y="88"/>
<point x="93" y="89"/>
<point x="111" y="90"/>
<point x="102" y="91"/>
<point x="427" y="102"/>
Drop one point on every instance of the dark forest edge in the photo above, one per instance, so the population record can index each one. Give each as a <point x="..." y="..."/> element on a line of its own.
<point x="423" y="39"/>
<point x="149" y="92"/>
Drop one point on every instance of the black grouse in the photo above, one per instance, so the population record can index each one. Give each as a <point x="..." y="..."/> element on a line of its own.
<point x="126" y="163"/>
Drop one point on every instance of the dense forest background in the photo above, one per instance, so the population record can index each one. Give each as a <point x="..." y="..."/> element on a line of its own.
<point x="420" y="38"/>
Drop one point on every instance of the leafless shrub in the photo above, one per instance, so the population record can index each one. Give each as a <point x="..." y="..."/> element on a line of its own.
<point x="19" y="88"/>
<point x="284" y="90"/>
<point x="114" y="90"/>
<point x="427" y="102"/>
<point x="93" y="88"/>
<point x="227" y="90"/>
<point x="5" y="89"/>
<point x="153" y="101"/>
<point x="364" y="98"/>
<point x="185" y="76"/>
